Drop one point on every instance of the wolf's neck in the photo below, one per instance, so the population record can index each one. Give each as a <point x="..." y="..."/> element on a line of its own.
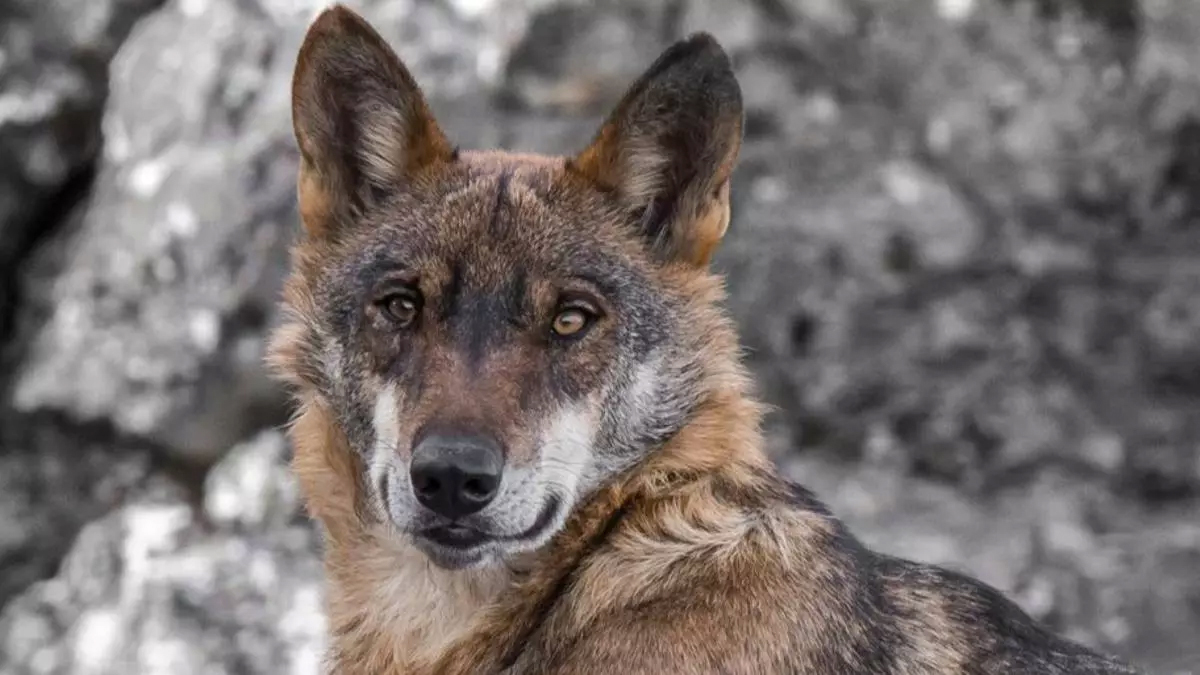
<point x="724" y="433"/>
<point x="395" y="609"/>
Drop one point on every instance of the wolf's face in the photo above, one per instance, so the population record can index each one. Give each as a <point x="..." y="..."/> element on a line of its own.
<point x="497" y="334"/>
<point x="496" y="347"/>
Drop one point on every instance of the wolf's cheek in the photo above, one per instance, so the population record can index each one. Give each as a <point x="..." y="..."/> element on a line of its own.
<point x="566" y="448"/>
<point x="385" y="421"/>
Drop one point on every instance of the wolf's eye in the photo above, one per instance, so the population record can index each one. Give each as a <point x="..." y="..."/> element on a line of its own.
<point x="570" y="322"/>
<point x="401" y="308"/>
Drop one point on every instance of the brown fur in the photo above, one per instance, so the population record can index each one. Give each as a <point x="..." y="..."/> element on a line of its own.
<point x="695" y="558"/>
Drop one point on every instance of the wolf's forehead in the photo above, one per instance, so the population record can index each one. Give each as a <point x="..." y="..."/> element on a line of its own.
<point x="513" y="218"/>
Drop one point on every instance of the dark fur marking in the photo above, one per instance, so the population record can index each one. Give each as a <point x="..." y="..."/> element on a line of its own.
<point x="804" y="498"/>
<point x="517" y="305"/>
<point x="495" y="224"/>
<point x="480" y="324"/>
<point x="384" y="488"/>
<point x="654" y="221"/>
<point x="527" y="391"/>
<point x="452" y="293"/>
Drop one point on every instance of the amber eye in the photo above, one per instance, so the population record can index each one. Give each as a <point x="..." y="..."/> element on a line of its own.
<point x="401" y="308"/>
<point x="570" y="322"/>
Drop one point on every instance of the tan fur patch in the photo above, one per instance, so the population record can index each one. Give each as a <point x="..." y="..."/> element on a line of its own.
<point x="391" y="606"/>
<point x="938" y="641"/>
<point x="329" y="475"/>
<point x="710" y="228"/>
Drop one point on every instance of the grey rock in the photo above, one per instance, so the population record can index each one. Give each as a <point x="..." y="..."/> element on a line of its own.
<point x="55" y="478"/>
<point x="165" y="282"/>
<point x="982" y="265"/>
<point x="53" y="81"/>
<point x="578" y="58"/>
<point x="252" y="488"/>
<point x="159" y="587"/>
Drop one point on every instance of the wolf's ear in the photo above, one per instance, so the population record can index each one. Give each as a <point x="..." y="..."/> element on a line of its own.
<point x="669" y="147"/>
<point x="361" y="122"/>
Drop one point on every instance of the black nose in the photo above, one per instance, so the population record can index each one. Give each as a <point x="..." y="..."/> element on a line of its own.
<point x="456" y="475"/>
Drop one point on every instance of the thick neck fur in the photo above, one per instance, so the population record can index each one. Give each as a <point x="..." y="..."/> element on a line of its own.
<point x="392" y="611"/>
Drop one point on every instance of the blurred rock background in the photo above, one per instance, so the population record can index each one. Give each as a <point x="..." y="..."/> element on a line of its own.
<point x="965" y="258"/>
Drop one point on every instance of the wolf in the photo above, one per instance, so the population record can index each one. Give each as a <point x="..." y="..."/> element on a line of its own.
<point x="522" y="422"/>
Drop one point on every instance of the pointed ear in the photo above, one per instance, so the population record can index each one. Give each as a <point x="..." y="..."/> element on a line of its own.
<point x="361" y="123"/>
<point x="668" y="149"/>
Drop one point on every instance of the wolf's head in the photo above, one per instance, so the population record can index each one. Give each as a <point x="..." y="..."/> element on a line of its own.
<point x="495" y="334"/>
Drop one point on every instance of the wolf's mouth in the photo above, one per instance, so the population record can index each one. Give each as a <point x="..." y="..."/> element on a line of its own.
<point x="454" y="536"/>
<point x="453" y="545"/>
<point x="547" y="516"/>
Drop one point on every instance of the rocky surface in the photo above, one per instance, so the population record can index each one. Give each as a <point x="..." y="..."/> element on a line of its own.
<point x="963" y="259"/>
<point x="55" y="477"/>
<point x="160" y="586"/>
<point x="53" y="81"/>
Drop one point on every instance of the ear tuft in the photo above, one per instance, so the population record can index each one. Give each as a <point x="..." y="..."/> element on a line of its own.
<point x="361" y="123"/>
<point x="668" y="149"/>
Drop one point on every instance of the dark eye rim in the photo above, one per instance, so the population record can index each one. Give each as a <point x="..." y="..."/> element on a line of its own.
<point x="384" y="304"/>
